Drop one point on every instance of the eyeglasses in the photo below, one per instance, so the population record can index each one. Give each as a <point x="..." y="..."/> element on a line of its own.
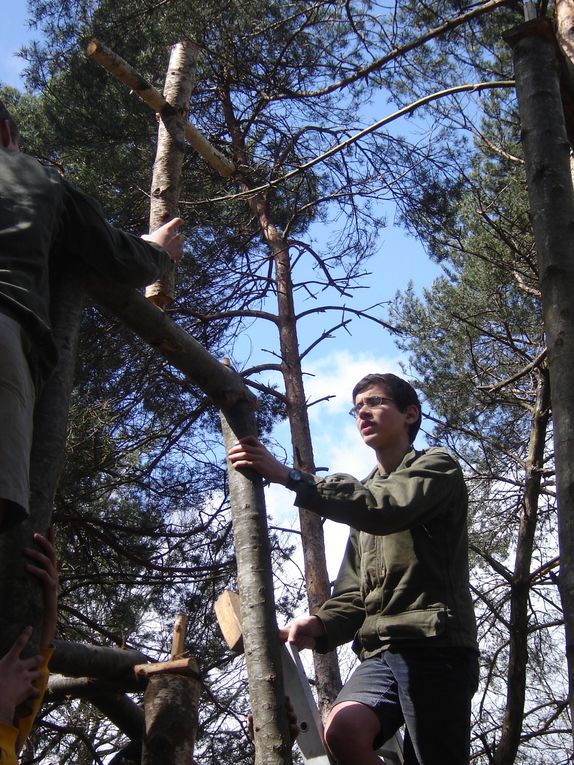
<point x="371" y="402"/>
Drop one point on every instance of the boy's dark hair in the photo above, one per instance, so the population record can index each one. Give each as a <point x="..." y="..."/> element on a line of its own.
<point x="402" y="393"/>
<point x="5" y="115"/>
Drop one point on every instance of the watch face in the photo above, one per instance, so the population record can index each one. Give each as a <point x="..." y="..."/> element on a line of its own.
<point x="294" y="479"/>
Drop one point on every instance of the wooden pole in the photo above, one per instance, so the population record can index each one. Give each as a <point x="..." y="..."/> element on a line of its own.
<point x="255" y="580"/>
<point x="171" y="702"/>
<point x="166" y="178"/>
<point x="178" y="638"/>
<point x="116" y="65"/>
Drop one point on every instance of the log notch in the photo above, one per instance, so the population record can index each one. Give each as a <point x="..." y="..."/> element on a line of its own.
<point x="171" y="703"/>
<point x="166" y="178"/>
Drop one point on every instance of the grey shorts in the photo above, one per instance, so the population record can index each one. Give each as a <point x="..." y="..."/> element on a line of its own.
<point x="428" y="689"/>
<point x="17" y="398"/>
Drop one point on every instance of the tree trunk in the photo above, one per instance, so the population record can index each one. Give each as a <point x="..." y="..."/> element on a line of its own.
<point x="21" y="592"/>
<point x="546" y="152"/>
<point x="170" y="705"/>
<point x="316" y="576"/>
<point x="166" y="177"/>
<point x="328" y="678"/>
<point x="507" y="747"/>
<point x="257" y="601"/>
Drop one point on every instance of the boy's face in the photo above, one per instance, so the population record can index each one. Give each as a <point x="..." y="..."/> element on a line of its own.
<point x="380" y="422"/>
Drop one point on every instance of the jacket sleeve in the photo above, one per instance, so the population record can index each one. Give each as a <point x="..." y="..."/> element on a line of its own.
<point x="87" y="237"/>
<point x="343" y="614"/>
<point x="423" y="486"/>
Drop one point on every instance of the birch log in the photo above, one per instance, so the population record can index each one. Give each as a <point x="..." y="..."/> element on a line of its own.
<point x="166" y="179"/>
<point x="116" y="65"/>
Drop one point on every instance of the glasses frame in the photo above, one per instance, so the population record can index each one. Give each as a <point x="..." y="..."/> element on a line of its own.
<point x="371" y="402"/>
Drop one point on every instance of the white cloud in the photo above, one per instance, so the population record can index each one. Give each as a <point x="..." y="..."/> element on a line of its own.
<point x="336" y="374"/>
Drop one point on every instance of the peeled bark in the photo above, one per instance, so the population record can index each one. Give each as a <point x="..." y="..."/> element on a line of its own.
<point x="153" y="98"/>
<point x="166" y="179"/>
<point x="547" y="152"/>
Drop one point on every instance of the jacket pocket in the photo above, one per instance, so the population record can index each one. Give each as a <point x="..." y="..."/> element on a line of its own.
<point x="418" y="623"/>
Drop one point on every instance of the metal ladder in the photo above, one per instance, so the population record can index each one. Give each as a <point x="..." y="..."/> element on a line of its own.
<point x="297" y="688"/>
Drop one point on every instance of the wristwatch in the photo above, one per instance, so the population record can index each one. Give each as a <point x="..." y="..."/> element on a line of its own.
<point x="295" y="479"/>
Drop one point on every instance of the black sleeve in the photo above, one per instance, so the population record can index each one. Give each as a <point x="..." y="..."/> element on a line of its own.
<point x="87" y="237"/>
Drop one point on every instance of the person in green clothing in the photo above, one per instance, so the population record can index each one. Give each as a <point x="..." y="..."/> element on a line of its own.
<point x="45" y="224"/>
<point x="402" y="593"/>
<point x="25" y="679"/>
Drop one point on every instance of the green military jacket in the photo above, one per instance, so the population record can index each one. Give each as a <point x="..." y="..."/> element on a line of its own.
<point x="46" y="223"/>
<point x="404" y="577"/>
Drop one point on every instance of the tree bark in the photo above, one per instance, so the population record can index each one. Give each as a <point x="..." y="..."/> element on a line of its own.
<point x="153" y="98"/>
<point x="328" y="679"/>
<point x="21" y="592"/>
<point x="327" y="673"/>
<point x="220" y="383"/>
<point x="166" y="178"/>
<point x="507" y="747"/>
<point x="546" y="152"/>
<point x="255" y="582"/>
<point x="104" y="663"/>
<point x="170" y="704"/>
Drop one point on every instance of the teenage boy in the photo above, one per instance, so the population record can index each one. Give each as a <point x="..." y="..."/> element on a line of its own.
<point x="402" y="593"/>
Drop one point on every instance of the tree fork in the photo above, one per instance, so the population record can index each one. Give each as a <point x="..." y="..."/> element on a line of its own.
<point x="547" y="156"/>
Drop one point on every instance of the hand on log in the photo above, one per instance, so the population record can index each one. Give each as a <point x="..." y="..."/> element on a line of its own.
<point x="168" y="237"/>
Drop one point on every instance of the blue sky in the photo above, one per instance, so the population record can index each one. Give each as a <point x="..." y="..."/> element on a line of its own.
<point x="14" y="32"/>
<point x="336" y="364"/>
